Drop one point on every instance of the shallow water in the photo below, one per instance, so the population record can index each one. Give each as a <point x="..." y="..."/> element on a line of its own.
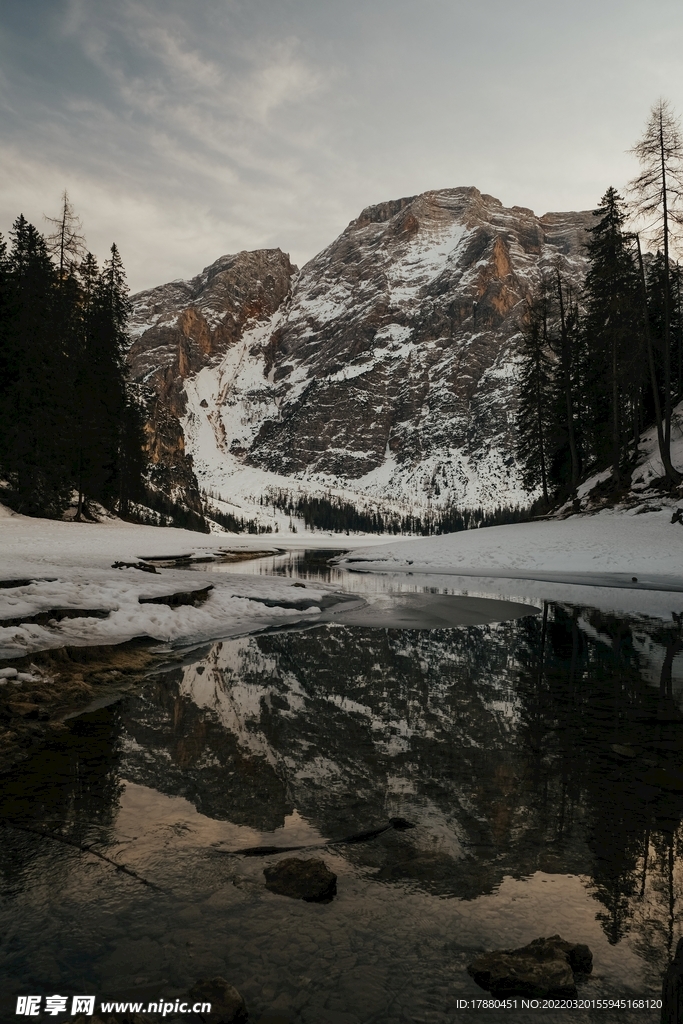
<point x="497" y="740"/>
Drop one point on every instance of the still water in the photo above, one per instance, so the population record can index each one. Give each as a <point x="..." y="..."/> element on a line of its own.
<point x="523" y="751"/>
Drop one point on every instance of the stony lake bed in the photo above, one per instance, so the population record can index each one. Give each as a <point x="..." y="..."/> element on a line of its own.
<point x="535" y="747"/>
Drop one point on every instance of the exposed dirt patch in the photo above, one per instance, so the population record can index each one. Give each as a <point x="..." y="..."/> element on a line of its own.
<point x="11" y="584"/>
<point x="56" y="614"/>
<point x="181" y="597"/>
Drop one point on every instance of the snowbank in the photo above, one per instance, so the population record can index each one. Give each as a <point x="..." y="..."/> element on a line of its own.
<point x="68" y="569"/>
<point x="609" y="542"/>
<point x="586" y="560"/>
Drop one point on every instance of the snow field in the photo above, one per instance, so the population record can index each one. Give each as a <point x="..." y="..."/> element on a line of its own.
<point x="70" y="567"/>
<point x="611" y="541"/>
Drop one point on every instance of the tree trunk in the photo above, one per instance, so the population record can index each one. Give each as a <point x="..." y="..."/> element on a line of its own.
<point x="79" y="507"/>
<point x="616" y="452"/>
<point x="541" y="439"/>
<point x="673" y="475"/>
<point x="667" y="299"/>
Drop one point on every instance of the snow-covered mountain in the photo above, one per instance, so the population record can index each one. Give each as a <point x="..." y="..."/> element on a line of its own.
<point x="385" y="370"/>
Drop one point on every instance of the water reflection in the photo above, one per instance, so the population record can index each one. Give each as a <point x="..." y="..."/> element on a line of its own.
<point x="528" y="750"/>
<point x="312" y="563"/>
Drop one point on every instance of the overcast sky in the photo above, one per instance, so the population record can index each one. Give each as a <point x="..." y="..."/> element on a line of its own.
<point x="185" y="129"/>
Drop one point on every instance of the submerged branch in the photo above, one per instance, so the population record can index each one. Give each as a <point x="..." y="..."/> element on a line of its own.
<point x="83" y="847"/>
<point x="399" y="824"/>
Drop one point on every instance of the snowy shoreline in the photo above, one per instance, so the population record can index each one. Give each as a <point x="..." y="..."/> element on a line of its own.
<point x="67" y="569"/>
<point x="77" y="598"/>
<point x="613" y="541"/>
<point x="585" y="559"/>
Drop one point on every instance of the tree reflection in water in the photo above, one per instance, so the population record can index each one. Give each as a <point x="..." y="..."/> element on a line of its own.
<point x="594" y="728"/>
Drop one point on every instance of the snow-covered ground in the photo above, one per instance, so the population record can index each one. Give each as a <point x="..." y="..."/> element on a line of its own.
<point x="611" y="541"/>
<point x="69" y="566"/>
<point x="649" y="462"/>
<point x="621" y="560"/>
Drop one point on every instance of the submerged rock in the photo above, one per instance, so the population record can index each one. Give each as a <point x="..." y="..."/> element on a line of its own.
<point x="309" y="880"/>
<point x="546" y="967"/>
<point x="227" y="1005"/>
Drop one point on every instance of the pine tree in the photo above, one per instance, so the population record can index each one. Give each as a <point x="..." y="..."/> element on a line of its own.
<point x="567" y="371"/>
<point x="86" y="385"/>
<point x="132" y="454"/>
<point x="658" y="193"/>
<point x="35" y="418"/>
<point x="534" y="415"/>
<point x="104" y="384"/>
<point x="613" y="337"/>
<point x="8" y="357"/>
<point x="65" y="243"/>
<point x="67" y="417"/>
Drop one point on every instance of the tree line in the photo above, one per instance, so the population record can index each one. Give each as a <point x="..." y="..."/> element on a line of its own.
<point x="70" y="425"/>
<point x="597" y="367"/>
<point x="340" y="516"/>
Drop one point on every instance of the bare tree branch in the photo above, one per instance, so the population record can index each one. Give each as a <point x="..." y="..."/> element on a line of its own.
<point x="66" y="243"/>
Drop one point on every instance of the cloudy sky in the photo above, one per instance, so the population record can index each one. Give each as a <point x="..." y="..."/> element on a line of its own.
<point x="185" y="129"/>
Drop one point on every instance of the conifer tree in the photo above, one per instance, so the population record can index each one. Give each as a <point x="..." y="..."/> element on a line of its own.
<point x="612" y="333"/>
<point x="65" y="243"/>
<point x="85" y="385"/>
<point x="8" y="357"/>
<point x="565" y="434"/>
<point x="658" y="196"/>
<point x="534" y="416"/>
<point x="35" y="418"/>
<point x="105" y="377"/>
<point x="567" y="325"/>
<point x="67" y="417"/>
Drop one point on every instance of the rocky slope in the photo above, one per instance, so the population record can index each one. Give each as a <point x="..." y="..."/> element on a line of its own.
<point x="385" y="370"/>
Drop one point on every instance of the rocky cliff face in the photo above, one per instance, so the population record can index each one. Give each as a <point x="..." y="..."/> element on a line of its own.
<point x="385" y="369"/>
<point x="179" y="328"/>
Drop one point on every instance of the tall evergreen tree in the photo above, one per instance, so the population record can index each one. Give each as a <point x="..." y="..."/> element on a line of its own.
<point x="35" y="416"/>
<point x="8" y="357"/>
<point x="534" y="415"/>
<point x="104" y="380"/>
<point x="658" y="193"/>
<point x="86" y="385"/>
<point x="614" y="341"/>
<point x="67" y="417"/>
<point x="567" y="367"/>
<point x="664" y="449"/>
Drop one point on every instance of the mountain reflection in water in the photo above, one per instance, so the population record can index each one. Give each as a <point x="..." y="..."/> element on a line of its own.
<point x="528" y="750"/>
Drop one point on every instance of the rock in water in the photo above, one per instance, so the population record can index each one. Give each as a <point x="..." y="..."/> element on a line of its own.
<point x="227" y="1005"/>
<point x="309" y="880"/>
<point x="546" y="967"/>
<point x="579" y="955"/>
